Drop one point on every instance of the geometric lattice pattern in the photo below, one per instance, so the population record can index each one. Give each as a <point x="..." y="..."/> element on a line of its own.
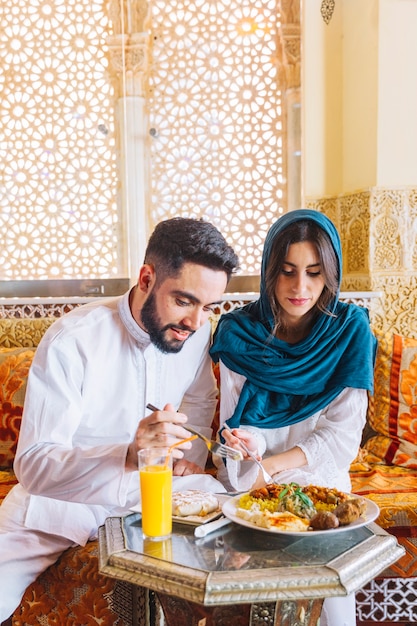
<point x="406" y="566"/>
<point x="58" y="182"/>
<point x="216" y="115"/>
<point x="388" y="600"/>
<point x="218" y="138"/>
<point x="34" y="309"/>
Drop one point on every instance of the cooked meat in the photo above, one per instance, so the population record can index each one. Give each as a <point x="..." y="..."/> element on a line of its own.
<point x="261" y="493"/>
<point x="325" y="494"/>
<point x="349" y="511"/>
<point x="362" y="505"/>
<point x="324" y="520"/>
<point x="271" y="490"/>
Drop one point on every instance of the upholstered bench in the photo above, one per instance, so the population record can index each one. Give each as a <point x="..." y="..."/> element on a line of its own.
<point x="386" y="472"/>
<point x="73" y="592"/>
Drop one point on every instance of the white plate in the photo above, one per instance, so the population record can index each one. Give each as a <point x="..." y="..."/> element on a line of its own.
<point x="194" y="520"/>
<point x="197" y="520"/>
<point x="371" y="513"/>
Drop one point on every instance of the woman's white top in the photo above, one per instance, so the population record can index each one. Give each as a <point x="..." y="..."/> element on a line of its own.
<point x="330" y="440"/>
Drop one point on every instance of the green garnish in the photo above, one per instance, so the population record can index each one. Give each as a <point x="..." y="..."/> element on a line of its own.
<point x="297" y="492"/>
<point x="304" y="497"/>
<point x="284" y="492"/>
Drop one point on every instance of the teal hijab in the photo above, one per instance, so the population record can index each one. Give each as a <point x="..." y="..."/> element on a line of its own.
<point x="287" y="383"/>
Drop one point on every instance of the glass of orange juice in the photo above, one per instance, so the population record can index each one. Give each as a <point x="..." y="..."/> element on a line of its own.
<point x="155" y="472"/>
<point x="160" y="549"/>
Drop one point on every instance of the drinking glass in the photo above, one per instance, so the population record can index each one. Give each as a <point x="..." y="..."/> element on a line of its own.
<point x="155" y="472"/>
<point x="160" y="549"/>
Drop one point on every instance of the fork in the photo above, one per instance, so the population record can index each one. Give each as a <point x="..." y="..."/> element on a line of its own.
<point x="215" y="447"/>
<point x="267" y="477"/>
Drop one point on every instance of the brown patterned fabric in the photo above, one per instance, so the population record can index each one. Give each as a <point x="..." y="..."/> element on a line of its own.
<point x="72" y="592"/>
<point x="14" y="368"/>
<point x="385" y="470"/>
<point x="393" y="489"/>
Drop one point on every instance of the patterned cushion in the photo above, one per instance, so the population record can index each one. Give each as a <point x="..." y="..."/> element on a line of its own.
<point x="7" y="480"/>
<point x="393" y="409"/>
<point x="392" y="488"/>
<point x="14" y="368"/>
<point x="21" y="333"/>
<point x="72" y="591"/>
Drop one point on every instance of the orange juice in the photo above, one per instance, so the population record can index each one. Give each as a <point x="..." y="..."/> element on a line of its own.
<point x="160" y="549"/>
<point x="156" y="498"/>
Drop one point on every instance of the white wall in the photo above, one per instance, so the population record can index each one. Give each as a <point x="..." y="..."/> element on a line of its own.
<point x="322" y="97"/>
<point x="397" y="93"/>
<point x="359" y="96"/>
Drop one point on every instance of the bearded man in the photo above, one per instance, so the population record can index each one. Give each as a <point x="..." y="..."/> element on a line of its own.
<point x="85" y="415"/>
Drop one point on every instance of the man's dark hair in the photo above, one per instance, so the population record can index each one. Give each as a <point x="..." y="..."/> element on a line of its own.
<point x="186" y="240"/>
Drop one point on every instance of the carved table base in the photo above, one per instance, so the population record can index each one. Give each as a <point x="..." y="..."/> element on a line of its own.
<point x="284" y="613"/>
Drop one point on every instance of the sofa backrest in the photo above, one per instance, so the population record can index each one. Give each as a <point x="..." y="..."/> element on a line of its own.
<point x="392" y="412"/>
<point x="23" y="332"/>
<point x="18" y="341"/>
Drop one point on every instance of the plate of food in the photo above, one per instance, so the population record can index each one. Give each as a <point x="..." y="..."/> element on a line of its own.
<point x="302" y="510"/>
<point x="196" y="507"/>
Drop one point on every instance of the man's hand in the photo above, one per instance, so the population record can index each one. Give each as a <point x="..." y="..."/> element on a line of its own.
<point x="185" y="468"/>
<point x="160" y="429"/>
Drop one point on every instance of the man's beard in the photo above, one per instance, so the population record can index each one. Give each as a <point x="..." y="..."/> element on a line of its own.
<point x="157" y="332"/>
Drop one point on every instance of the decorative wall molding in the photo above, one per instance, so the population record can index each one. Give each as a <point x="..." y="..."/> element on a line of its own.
<point x="56" y="307"/>
<point x="128" y="46"/>
<point x="290" y="38"/>
<point x="378" y="228"/>
<point x="326" y="10"/>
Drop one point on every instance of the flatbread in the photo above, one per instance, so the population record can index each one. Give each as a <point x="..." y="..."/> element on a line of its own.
<point x="282" y="521"/>
<point x="193" y="502"/>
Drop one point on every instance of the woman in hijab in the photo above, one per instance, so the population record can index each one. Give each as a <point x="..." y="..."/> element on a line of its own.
<point x="295" y="369"/>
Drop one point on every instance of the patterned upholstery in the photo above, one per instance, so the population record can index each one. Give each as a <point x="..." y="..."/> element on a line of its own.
<point x="394" y="411"/>
<point x="386" y="472"/>
<point x="73" y="592"/>
<point x="14" y="368"/>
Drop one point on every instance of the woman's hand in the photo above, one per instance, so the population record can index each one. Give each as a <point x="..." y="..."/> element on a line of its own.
<point x="237" y="435"/>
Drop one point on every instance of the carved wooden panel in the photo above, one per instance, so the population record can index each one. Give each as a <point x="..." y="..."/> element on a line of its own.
<point x="378" y="228"/>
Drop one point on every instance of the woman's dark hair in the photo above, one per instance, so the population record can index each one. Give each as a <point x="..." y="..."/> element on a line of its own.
<point x="186" y="240"/>
<point x="304" y="230"/>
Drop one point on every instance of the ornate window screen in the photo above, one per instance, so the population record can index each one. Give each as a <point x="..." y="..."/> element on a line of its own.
<point x="58" y="175"/>
<point x="217" y="120"/>
<point x="216" y="96"/>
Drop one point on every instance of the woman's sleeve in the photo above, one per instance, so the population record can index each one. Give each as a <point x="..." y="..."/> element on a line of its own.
<point x="231" y="385"/>
<point x="239" y="475"/>
<point x="334" y="442"/>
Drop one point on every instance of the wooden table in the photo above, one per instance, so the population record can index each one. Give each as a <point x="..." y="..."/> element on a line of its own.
<point x="239" y="576"/>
